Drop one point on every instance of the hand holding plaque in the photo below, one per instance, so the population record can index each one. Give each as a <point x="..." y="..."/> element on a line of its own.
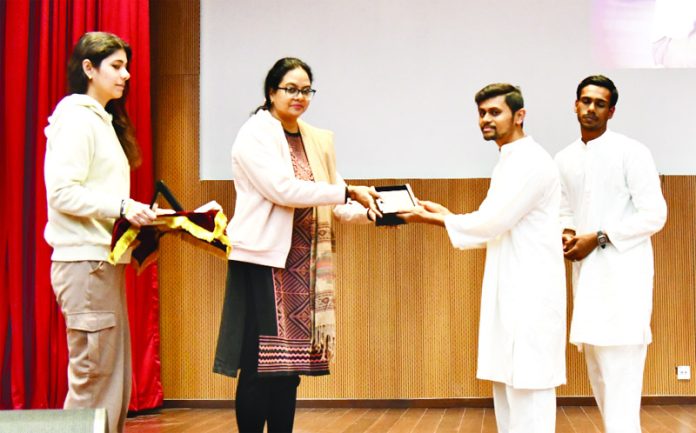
<point x="394" y="198"/>
<point x="364" y="195"/>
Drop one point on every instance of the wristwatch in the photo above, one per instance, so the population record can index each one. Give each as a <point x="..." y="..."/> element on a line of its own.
<point x="602" y="239"/>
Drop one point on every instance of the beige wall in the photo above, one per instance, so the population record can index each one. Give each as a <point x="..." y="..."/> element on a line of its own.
<point x="408" y="302"/>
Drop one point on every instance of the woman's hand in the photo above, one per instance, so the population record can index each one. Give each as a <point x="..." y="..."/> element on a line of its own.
<point x="365" y="195"/>
<point x="138" y="214"/>
<point x="160" y="211"/>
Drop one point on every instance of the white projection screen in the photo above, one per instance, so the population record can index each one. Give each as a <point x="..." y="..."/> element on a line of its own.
<point x="395" y="80"/>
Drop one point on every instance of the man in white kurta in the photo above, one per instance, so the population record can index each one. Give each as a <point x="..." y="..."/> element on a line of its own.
<point x="612" y="204"/>
<point x="523" y="306"/>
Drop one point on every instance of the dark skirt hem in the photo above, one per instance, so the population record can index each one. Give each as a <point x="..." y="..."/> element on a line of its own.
<point x="232" y="372"/>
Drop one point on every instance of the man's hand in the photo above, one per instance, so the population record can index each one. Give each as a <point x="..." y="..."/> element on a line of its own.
<point x="426" y="212"/>
<point x="433" y="207"/>
<point x="579" y="247"/>
<point x="567" y="235"/>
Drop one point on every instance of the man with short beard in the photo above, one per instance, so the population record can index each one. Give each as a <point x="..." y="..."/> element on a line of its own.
<point x="612" y="204"/>
<point x="523" y="301"/>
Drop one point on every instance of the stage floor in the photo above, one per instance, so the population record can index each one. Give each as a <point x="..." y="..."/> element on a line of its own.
<point x="575" y="419"/>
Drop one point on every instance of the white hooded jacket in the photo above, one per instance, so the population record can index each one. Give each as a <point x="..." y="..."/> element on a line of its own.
<point x="87" y="175"/>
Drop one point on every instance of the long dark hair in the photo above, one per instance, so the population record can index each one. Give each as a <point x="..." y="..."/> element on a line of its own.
<point x="276" y="74"/>
<point x="95" y="47"/>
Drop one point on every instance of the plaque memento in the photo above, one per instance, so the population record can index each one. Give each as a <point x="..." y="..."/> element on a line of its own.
<point x="394" y="198"/>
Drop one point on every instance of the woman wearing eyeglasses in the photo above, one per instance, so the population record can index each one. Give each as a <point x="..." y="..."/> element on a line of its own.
<point x="278" y="317"/>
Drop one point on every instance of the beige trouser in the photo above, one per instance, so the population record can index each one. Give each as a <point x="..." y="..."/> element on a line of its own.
<point x="524" y="410"/>
<point x="93" y="300"/>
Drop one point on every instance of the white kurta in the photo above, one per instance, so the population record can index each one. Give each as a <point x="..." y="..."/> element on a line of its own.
<point x="523" y="303"/>
<point x="611" y="184"/>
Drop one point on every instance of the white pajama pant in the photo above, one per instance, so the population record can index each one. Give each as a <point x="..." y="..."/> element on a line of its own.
<point x="616" y="376"/>
<point x="524" y="410"/>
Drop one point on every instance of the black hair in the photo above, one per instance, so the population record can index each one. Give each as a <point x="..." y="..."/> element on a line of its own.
<point x="513" y="95"/>
<point x="275" y="76"/>
<point x="600" y="81"/>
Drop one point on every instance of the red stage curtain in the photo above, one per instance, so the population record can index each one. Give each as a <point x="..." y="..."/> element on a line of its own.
<point x="38" y="36"/>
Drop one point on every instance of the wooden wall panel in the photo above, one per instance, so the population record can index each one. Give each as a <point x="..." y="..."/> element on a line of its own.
<point x="673" y="321"/>
<point x="191" y="282"/>
<point x="408" y="302"/>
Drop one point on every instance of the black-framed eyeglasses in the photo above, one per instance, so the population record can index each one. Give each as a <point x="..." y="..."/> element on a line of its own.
<point x="294" y="91"/>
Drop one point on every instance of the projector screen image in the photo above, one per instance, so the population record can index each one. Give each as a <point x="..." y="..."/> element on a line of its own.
<point x="645" y="33"/>
<point x="396" y="81"/>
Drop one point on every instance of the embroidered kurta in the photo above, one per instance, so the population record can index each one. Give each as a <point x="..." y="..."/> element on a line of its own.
<point x="611" y="184"/>
<point x="522" y="323"/>
<point x="289" y="349"/>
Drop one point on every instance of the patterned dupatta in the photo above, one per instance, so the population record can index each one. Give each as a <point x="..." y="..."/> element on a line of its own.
<point x="305" y="337"/>
<point x="322" y="277"/>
